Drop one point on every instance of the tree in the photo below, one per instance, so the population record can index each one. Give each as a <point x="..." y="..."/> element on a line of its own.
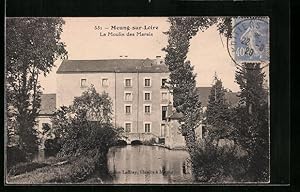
<point x="182" y="82"/>
<point x="85" y="126"/>
<point x="214" y="163"/>
<point x="32" y="46"/>
<point x="218" y="112"/>
<point x="251" y="119"/>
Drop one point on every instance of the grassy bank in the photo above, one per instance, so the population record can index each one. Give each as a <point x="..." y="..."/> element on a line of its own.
<point x="55" y="170"/>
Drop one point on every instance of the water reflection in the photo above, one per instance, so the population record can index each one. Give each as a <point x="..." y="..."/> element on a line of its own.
<point x="148" y="164"/>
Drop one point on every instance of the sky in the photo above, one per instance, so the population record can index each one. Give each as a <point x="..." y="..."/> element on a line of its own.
<point x="83" y="41"/>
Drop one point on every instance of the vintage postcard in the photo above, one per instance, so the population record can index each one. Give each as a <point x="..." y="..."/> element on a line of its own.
<point x="137" y="100"/>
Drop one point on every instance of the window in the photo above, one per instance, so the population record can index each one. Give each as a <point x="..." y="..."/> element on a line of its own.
<point x="163" y="82"/>
<point x="128" y="109"/>
<point x="127" y="127"/>
<point x="164" y="96"/>
<point x="104" y="82"/>
<point x="147" y="82"/>
<point x="83" y="83"/>
<point x="128" y="96"/>
<point x="147" y="127"/>
<point x="128" y="83"/>
<point x="164" y="113"/>
<point x="147" y="96"/>
<point x="147" y="109"/>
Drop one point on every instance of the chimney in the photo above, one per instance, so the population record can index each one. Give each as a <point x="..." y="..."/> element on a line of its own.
<point x="159" y="60"/>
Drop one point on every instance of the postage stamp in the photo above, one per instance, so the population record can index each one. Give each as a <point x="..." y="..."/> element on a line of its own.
<point x="250" y="40"/>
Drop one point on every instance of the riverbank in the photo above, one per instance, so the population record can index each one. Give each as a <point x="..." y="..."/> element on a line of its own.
<point x="170" y="148"/>
<point x="87" y="170"/>
<point x="53" y="170"/>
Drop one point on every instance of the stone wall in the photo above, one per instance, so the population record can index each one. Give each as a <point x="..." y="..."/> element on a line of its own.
<point x="175" y="140"/>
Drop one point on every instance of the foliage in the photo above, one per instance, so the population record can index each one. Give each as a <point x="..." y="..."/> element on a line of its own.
<point x="52" y="147"/>
<point x="85" y="132"/>
<point x="54" y="160"/>
<point x="14" y="156"/>
<point x="224" y="26"/>
<point x="182" y="82"/>
<point x="228" y="164"/>
<point x="218" y="112"/>
<point x="248" y="124"/>
<point x="76" y="170"/>
<point x="32" y="46"/>
<point x="150" y="142"/>
<point x="25" y="167"/>
<point x="46" y="128"/>
<point x="251" y="120"/>
<point x="216" y="164"/>
<point x="85" y="125"/>
<point x="121" y="143"/>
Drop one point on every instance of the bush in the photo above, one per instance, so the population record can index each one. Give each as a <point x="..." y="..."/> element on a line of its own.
<point x="88" y="136"/>
<point x="52" y="147"/>
<point x="15" y="156"/>
<point x="150" y="142"/>
<point x="121" y="143"/>
<point x="215" y="164"/>
<point x="25" y="167"/>
<point x="86" y="125"/>
<point x="76" y="171"/>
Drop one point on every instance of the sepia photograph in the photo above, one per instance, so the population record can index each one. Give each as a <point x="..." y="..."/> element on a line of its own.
<point x="137" y="100"/>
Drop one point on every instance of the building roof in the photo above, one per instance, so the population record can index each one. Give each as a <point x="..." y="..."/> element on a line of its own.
<point x="204" y="92"/>
<point x="48" y="104"/>
<point x="112" y="65"/>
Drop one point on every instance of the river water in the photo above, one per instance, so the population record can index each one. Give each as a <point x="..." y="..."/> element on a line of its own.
<point x="142" y="164"/>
